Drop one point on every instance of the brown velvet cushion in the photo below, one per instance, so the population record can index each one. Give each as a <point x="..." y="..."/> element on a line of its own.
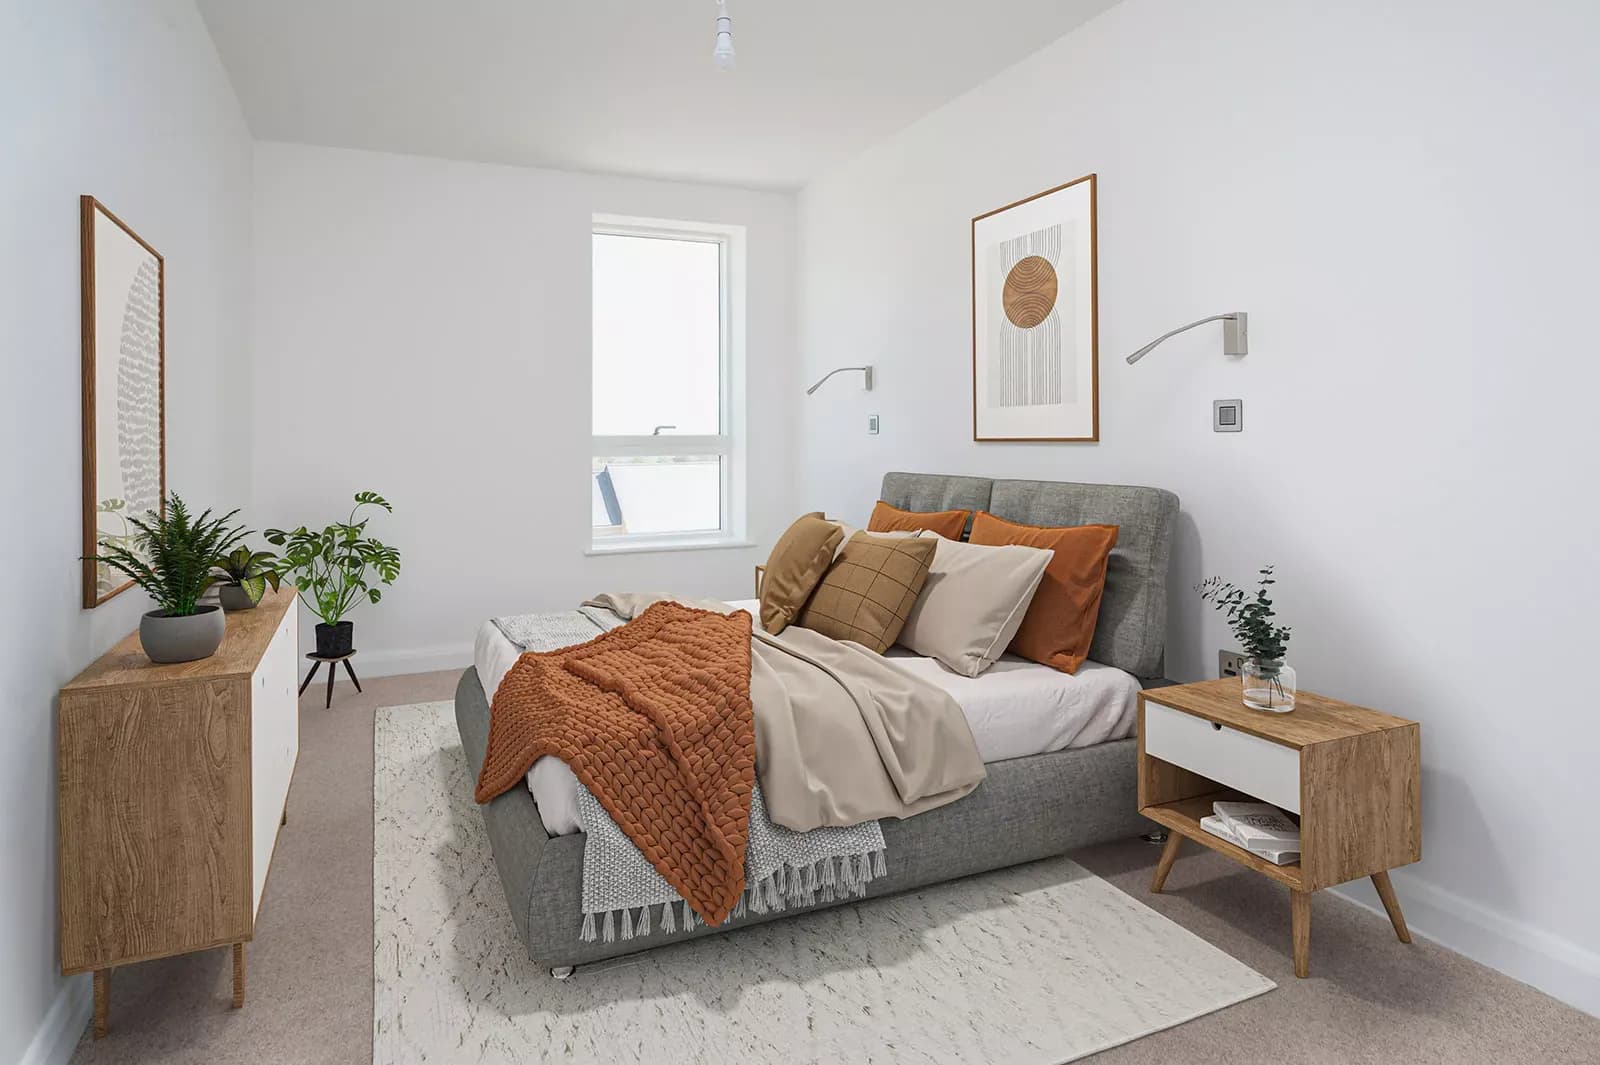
<point x="1059" y="625"/>
<point x="949" y="524"/>
<point x="798" y="560"/>
<point x="870" y="589"/>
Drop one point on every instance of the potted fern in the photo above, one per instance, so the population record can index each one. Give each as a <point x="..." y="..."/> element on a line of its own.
<point x="335" y="568"/>
<point x="244" y="575"/>
<point x="1268" y="683"/>
<point x="170" y="556"/>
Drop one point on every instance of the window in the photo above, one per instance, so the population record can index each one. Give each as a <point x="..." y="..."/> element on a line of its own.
<point x="665" y="453"/>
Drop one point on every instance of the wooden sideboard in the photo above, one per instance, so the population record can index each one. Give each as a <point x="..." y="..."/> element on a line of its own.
<point x="173" y="783"/>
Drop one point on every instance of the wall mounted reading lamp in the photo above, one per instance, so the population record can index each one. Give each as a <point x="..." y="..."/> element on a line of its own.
<point x="865" y="370"/>
<point x="1235" y="335"/>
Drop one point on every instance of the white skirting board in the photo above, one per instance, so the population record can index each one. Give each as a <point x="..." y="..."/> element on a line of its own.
<point x="1560" y="969"/>
<point x="63" y="1025"/>
<point x="396" y="662"/>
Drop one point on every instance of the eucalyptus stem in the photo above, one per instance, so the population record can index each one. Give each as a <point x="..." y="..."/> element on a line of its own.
<point x="1251" y="617"/>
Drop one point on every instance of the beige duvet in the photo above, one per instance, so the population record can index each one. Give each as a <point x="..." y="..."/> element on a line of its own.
<point x="842" y="735"/>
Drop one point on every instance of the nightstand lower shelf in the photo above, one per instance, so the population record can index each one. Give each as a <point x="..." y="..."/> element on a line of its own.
<point x="1182" y="818"/>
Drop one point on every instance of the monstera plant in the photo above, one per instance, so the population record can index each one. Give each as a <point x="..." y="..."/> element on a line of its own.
<point x="335" y="568"/>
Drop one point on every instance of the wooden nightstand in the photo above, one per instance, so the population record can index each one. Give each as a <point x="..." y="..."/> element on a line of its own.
<point x="1351" y="776"/>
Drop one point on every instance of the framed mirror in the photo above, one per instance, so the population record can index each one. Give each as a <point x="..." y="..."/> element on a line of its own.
<point x="124" y="388"/>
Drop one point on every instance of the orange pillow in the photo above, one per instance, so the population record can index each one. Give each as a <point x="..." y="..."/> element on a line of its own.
<point x="947" y="523"/>
<point x="1059" y="625"/>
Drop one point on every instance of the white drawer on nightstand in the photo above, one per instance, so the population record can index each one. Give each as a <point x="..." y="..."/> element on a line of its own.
<point x="1246" y="763"/>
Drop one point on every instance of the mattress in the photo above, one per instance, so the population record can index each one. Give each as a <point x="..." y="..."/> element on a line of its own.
<point x="1015" y="708"/>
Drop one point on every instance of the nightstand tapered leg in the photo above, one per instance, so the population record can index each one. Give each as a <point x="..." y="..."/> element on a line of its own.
<point x="1169" y="854"/>
<point x="238" y="976"/>
<point x="102" y="1001"/>
<point x="1392" y="905"/>
<point x="1300" y="925"/>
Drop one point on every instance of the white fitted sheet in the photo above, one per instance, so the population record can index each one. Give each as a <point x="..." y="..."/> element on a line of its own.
<point x="1015" y="708"/>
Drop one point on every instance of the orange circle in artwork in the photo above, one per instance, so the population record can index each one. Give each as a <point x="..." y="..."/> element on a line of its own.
<point x="1030" y="292"/>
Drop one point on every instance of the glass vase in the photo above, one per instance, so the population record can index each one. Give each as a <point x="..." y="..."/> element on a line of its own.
<point x="1269" y="684"/>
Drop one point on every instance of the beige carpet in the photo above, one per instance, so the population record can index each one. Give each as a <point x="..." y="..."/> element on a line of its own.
<point x="1369" y="998"/>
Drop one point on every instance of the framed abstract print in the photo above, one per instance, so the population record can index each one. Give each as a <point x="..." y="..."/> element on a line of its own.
<point x="1035" y="327"/>
<point x="124" y="388"/>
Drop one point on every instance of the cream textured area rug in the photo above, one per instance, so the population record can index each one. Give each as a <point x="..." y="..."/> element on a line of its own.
<point x="1036" y="965"/>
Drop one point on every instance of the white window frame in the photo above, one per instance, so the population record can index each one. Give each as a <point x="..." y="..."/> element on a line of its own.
<point x="729" y="444"/>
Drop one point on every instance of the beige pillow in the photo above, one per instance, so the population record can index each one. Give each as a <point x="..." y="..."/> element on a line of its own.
<point x="798" y="560"/>
<point x="973" y="602"/>
<point x="868" y="591"/>
<point x="850" y="530"/>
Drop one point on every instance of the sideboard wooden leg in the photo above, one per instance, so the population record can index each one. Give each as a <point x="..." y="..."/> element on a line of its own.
<point x="1169" y="854"/>
<point x="1392" y="905"/>
<point x="1300" y="925"/>
<point x="102" y="1002"/>
<point x="238" y="976"/>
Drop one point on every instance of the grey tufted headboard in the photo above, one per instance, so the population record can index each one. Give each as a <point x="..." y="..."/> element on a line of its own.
<point x="1132" y="631"/>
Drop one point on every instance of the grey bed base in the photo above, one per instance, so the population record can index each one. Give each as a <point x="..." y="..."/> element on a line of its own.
<point x="1028" y="808"/>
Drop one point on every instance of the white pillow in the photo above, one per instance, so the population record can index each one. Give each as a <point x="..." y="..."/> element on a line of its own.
<point x="851" y="530"/>
<point x="973" y="602"/>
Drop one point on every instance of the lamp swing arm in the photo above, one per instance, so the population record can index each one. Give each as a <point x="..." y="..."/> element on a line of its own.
<point x="865" y="370"/>
<point x="1235" y="335"/>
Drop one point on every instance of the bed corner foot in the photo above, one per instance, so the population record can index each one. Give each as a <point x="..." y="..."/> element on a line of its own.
<point x="562" y="972"/>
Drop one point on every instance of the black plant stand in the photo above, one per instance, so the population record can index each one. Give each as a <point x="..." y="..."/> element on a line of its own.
<point x="332" y="660"/>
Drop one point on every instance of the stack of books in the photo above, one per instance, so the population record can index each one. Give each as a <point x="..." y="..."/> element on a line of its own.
<point x="1258" y="827"/>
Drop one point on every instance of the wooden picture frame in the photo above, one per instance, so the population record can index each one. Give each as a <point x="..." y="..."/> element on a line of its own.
<point x="1036" y="318"/>
<point x="124" y="386"/>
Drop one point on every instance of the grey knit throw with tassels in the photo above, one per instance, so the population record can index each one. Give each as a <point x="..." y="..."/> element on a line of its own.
<point x="623" y="895"/>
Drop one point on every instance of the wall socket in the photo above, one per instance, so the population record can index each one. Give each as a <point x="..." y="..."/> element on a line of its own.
<point x="872" y="424"/>
<point x="1229" y="663"/>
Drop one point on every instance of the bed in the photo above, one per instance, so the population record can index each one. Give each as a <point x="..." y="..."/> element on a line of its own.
<point x="1075" y="787"/>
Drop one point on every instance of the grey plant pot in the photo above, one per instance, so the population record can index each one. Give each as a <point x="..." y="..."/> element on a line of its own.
<point x="181" y="639"/>
<point x="234" y="597"/>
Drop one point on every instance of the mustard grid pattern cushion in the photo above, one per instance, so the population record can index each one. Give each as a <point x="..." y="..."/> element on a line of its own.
<point x="869" y="590"/>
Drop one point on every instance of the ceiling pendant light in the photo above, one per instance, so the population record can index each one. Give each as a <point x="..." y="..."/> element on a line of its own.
<point x="722" y="52"/>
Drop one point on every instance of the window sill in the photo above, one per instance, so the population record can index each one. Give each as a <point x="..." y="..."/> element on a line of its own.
<point x="636" y="547"/>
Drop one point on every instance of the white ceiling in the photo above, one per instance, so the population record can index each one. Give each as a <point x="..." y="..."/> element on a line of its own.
<point x="623" y="86"/>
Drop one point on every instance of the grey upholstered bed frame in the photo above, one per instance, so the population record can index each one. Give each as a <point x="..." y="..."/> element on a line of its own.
<point x="1028" y="808"/>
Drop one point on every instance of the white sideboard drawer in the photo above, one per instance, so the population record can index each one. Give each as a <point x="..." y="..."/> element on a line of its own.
<point x="1255" y="766"/>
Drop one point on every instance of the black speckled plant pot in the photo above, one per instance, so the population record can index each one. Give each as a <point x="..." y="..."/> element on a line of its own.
<point x="335" y="640"/>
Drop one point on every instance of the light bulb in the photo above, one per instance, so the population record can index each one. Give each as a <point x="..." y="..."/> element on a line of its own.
<point x="722" y="52"/>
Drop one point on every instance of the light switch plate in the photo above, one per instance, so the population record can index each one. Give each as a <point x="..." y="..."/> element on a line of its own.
<point x="872" y="424"/>
<point x="1227" y="415"/>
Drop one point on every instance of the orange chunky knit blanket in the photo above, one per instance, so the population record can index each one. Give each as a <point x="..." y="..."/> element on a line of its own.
<point x="654" y="718"/>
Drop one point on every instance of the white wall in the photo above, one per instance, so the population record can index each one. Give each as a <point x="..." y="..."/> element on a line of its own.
<point x="1402" y="196"/>
<point x="423" y="331"/>
<point x="127" y="102"/>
